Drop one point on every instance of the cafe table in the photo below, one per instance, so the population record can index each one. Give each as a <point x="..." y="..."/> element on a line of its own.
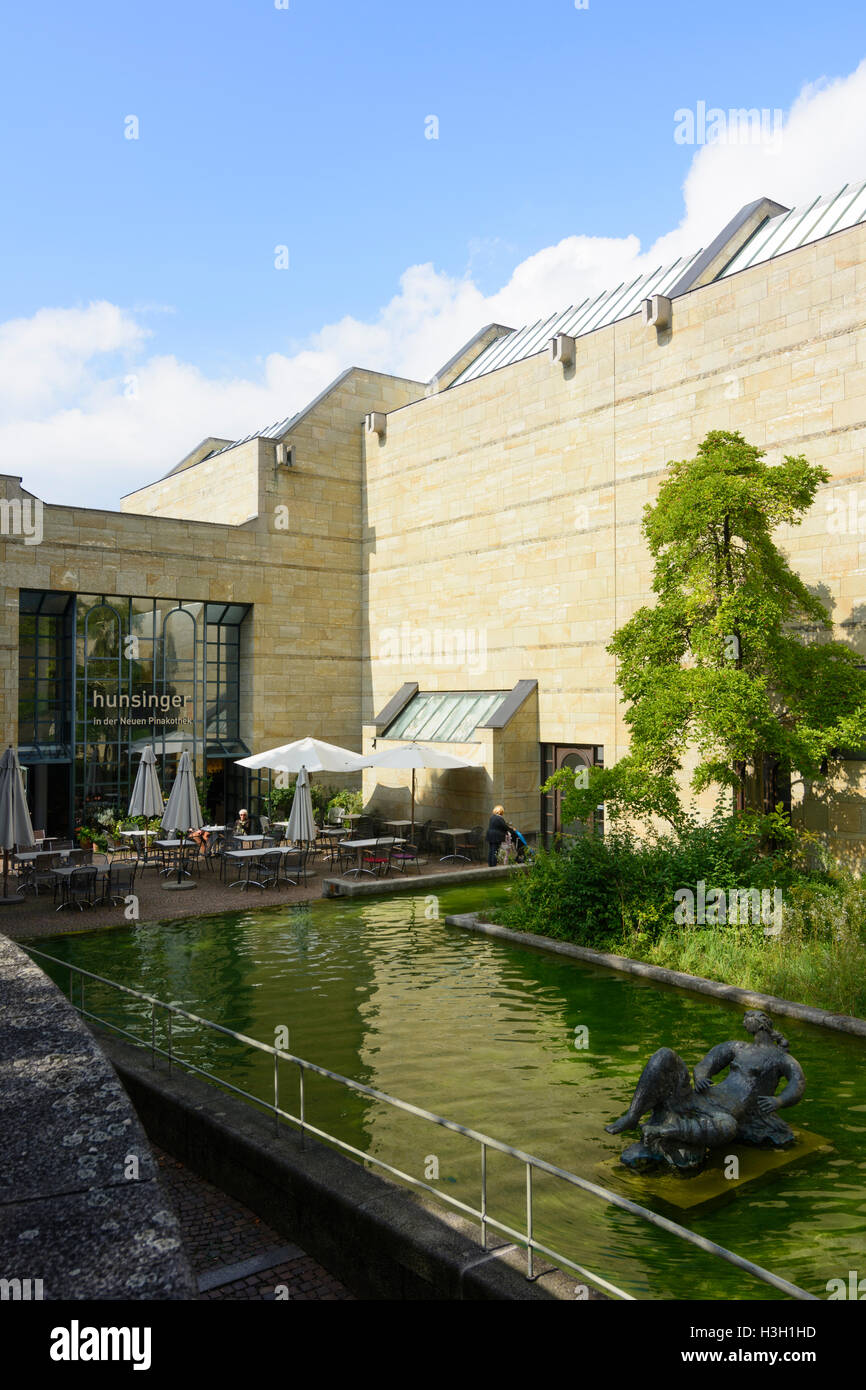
<point x="173" y="844"/>
<point x="245" y="856"/>
<point x="382" y="842"/>
<point x="454" y="833"/>
<point x="30" y="859"/>
<point x="28" y="855"/>
<point x="139" y="834"/>
<point x="64" y="874"/>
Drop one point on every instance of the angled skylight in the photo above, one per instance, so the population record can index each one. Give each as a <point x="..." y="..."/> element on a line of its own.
<point x="444" y="716"/>
<point x="595" y="312"/>
<point x="802" y="225"/>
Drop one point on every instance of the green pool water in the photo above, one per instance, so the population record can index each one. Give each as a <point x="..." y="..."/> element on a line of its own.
<point x="482" y="1032"/>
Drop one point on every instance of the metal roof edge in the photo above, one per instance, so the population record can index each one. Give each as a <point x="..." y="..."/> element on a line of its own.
<point x="476" y="337"/>
<point x="510" y="705"/>
<point x="398" y="702"/>
<point x="691" y="278"/>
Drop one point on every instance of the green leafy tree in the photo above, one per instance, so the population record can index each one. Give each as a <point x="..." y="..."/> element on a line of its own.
<point x="735" y="660"/>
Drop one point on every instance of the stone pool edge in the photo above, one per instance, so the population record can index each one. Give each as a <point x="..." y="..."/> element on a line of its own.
<point x="78" y="1220"/>
<point x="807" y="1013"/>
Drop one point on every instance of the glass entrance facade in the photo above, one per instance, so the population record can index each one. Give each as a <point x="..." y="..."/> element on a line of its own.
<point x="101" y="676"/>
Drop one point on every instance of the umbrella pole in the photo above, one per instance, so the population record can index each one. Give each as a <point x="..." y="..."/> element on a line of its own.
<point x="412" y="840"/>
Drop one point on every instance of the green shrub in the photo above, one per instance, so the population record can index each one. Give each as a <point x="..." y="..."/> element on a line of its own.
<point x="353" y="802"/>
<point x="278" y="805"/>
<point x="617" y="894"/>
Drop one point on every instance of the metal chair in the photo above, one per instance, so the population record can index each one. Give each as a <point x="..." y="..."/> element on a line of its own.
<point x="78" y="889"/>
<point x="265" y="866"/>
<point x="474" y="844"/>
<point x="190" y="857"/>
<point x="378" y="859"/>
<point x="43" y="872"/>
<point x="347" y="859"/>
<point x="435" y="841"/>
<point x="326" y="845"/>
<point x="118" y="849"/>
<point x="297" y="860"/>
<point x="121" y="881"/>
<point x="401" y="855"/>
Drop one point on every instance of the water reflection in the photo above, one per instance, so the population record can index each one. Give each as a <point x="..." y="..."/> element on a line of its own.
<point x="483" y="1032"/>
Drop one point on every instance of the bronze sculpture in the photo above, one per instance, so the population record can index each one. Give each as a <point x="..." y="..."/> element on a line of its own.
<point x="686" y="1123"/>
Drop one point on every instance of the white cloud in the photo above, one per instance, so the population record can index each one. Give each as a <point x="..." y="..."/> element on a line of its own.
<point x="81" y="397"/>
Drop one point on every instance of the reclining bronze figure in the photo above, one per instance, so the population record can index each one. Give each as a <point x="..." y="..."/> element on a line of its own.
<point x="686" y="1123"/>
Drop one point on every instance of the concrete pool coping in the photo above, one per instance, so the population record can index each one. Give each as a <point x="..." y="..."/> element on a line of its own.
<point x="375" y="887"/>
<point x="697" y="984"/>
<point x="80" y="1220"/>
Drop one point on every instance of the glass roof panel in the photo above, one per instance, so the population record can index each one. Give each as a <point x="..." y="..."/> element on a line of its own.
<point x="445" y="716"/>
<point x="810" y="221"/>
<point x="801" y="226"/>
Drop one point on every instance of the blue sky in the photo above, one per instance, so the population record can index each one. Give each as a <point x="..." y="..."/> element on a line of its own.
<point x="306" y="127"/>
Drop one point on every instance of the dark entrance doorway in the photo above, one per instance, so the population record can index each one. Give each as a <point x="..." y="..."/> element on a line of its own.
<point x="573" y="756"/>
<point x="49" y="796"/>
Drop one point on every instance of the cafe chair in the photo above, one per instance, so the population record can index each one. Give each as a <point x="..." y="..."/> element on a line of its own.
<point x="377" y="860"/>
<point x="121" y="882"/>
<point x="401" y="855"/>
<point x="78" y="889"/>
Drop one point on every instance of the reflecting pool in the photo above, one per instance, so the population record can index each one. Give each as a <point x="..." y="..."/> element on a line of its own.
<point x="483" y="1032"/>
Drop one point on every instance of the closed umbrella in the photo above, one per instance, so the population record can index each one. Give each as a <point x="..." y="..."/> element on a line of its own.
<point x="146" y="799"/>
<point x="182" y="811"/>
<point x="302" y="824"/>
<point x="15" y="825"/>
<point x="415" y="755"/>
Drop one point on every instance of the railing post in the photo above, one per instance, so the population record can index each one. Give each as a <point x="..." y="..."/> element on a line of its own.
<point x="276" y="1092"/>
<point x="168" y="1007"/>
<point x="153" y="1033"/>
<point x="483" y="1196"/>
<point x="301" y="1079"/>
<point x="529" y="1220"/>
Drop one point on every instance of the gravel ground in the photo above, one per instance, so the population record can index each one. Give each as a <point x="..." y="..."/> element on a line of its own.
<point x="34" y="916"/>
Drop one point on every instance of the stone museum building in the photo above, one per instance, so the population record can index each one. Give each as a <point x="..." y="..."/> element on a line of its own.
<point x="442" y="560"/>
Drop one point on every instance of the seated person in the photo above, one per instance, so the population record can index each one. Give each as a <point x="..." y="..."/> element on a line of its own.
<point x="243" y="824"/>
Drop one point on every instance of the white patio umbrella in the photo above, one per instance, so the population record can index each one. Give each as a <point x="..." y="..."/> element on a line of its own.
<point x="302" y="823"/>
<point x="415" y="755"/>
<point x="182" y="811"/>
<point x="310" y="753"/>
<point x="15" y="824"/>
<point x="146" y="799"/>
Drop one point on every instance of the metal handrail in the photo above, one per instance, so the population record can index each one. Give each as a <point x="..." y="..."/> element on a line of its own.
<point x="485" y="1141"/>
